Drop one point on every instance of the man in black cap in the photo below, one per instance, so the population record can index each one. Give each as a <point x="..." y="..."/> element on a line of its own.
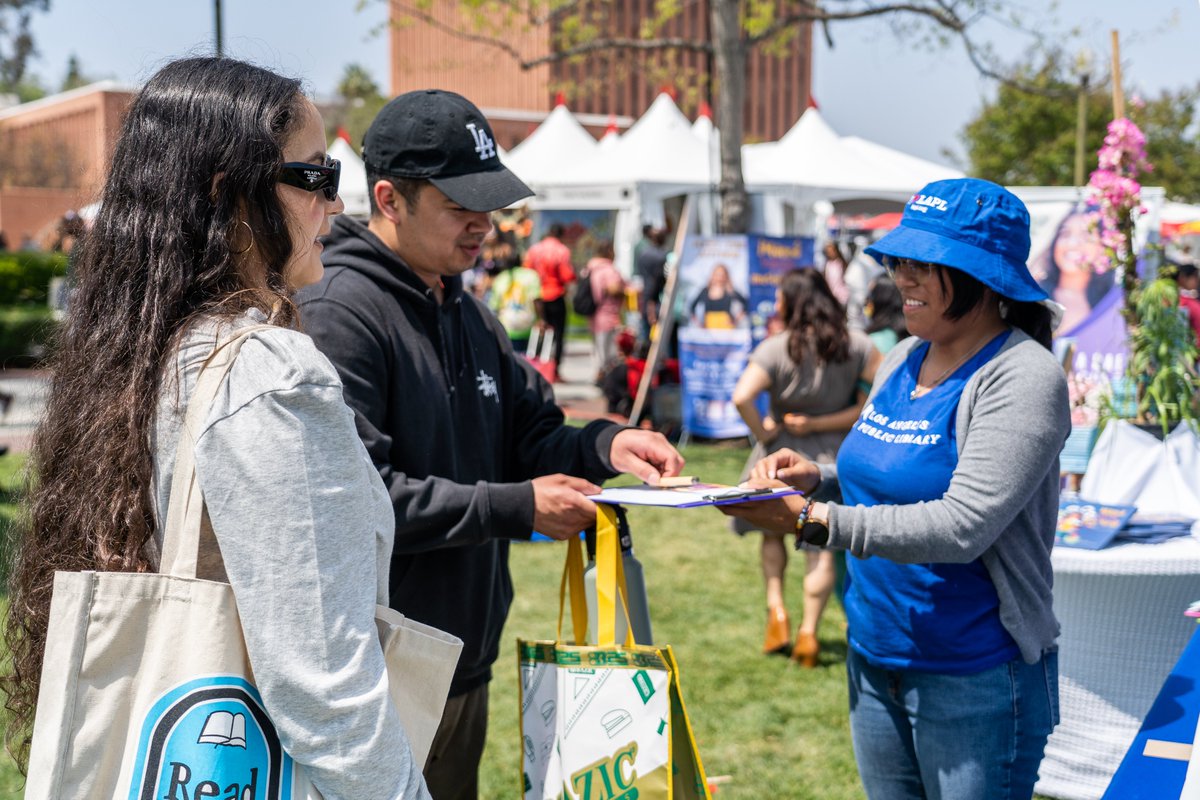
<point x="468" y="440"/>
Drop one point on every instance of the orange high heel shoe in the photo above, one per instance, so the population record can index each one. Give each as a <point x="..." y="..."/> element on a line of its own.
<point x="776" y="640"/>
<point x="806" y="650"/>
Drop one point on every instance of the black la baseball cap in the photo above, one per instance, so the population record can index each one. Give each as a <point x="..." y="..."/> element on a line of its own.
<point x="442" y="137"/>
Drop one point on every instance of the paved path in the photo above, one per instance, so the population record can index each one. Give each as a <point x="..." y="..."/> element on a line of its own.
<point x="577" y="395"/>
<point x="28" y="390"/>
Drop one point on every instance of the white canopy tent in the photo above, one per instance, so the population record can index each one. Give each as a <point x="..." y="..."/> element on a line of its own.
<point x="353" y="185"/>
<point x="558" y="143"/>
<point x="812" y="163"/>
<point x="657" y="158"/>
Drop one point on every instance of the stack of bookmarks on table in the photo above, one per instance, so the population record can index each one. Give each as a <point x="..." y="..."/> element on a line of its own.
<point x="1089" y="525"/>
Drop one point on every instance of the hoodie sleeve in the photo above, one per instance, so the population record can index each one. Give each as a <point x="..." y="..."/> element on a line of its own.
<point x="291" y="500"/>
<point x="543" y="444"/>
<point x="434" y="513"/>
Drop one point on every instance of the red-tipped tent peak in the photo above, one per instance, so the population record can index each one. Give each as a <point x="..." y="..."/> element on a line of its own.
<point x="669" y="90"/>
<point x="705" y="109"/>
<point x="612" y="125"/>
<point x="560" y="99"/>
<point x="812" y="103"/>
<point x="342" y="133"/>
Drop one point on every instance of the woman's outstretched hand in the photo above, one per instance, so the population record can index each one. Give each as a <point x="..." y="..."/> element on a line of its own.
<point x="789" y="467"/>
<point x="777" y="515"/>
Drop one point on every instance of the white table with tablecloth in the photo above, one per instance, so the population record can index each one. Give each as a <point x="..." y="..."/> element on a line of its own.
<point x="1121" y="611"/>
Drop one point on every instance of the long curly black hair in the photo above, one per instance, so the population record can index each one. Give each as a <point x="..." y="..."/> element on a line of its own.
<point x="199" y="155"/>
<point x="815" y="320"/>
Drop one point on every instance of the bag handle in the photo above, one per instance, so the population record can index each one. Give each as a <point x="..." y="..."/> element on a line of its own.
<point x="610" y="584"/>
<point x="185" y="510"/>
<point x="610" y="580"/>
<point x="573" y="577"/>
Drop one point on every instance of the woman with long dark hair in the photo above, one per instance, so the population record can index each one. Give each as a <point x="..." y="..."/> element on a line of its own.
<point x="812" y="372"/>
<point x="947" y="495"/>
<point x="219" y="189"/>
<point x="885" y="314"/>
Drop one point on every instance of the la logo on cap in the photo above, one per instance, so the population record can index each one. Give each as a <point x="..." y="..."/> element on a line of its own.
<point x="483" y="143"/>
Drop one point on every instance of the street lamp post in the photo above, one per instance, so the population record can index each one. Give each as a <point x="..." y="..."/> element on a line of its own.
<point x="1080" y="129"/>
<point x="1083" y="69"/>
<point x="220" y="39"/>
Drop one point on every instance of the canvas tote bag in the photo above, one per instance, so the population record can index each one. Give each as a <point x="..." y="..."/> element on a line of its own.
<point x="603" y="722"/>
<point x="146" y="689"/>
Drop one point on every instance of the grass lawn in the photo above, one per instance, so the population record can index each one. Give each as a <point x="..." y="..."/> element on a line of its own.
<point x="773" y="729"/>
<point x="11" y="781"/>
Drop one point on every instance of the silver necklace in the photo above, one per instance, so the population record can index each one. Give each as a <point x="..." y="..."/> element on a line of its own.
<point x="916" y="392"/>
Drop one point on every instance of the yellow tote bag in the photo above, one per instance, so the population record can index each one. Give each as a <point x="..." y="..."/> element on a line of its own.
<point x="603" y="721"/>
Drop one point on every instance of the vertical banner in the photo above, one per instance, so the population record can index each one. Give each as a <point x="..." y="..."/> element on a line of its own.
<point x="710" y="363"/>
<point x="725" y="299"/>
<point x="771" y="257"/>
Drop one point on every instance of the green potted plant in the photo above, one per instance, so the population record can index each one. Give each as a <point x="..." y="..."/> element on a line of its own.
<point x="1162" y="360"/>
<point x="1162" y="365"/>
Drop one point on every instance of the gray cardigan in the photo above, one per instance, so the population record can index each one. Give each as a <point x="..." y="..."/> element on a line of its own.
<point x="1002" y="504"/>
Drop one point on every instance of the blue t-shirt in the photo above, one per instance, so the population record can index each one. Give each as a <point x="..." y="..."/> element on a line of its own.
<point x="941" y="618"/>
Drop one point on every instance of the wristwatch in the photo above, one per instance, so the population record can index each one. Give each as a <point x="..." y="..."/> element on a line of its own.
<point x="811" y="530"/>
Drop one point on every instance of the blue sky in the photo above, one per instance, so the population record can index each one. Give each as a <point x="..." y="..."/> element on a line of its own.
<point x="902" y="94"/>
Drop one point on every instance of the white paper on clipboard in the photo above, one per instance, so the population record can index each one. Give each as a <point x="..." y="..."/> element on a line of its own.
<point x="693" y="496"/>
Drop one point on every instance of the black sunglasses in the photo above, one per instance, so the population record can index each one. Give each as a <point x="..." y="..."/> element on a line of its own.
<point x="313" y="177"/>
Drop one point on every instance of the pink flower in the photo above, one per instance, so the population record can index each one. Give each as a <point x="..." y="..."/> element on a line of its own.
<point x="1115" y="189"/>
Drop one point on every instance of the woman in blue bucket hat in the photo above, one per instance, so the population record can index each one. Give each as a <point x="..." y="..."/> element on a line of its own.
<point x="949" y="479"/>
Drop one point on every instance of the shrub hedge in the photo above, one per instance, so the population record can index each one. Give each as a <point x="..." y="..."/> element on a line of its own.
<point x="25" y="277"/>
<point x="25" y="334"/>
<point x="27" y="323"/>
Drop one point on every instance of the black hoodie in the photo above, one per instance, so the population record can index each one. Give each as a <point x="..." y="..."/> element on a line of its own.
<point x="455" y="423"/>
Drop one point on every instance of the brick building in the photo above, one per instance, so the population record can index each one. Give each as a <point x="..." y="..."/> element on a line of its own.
<point x="53" y="156"/>
<point x="621" y="84"/>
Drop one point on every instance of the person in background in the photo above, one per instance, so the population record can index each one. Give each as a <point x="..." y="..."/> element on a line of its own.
<point x="551" y="260"/>
<point x="608" y="289"/>
<point x="515" y="297"/>
<point x="719" y="305"/>
<point x="651" y="268"/>
<point x="885" y="314"/>
<point x="218" y="191"/>
<point x="834" y="271"/>
<point x="946" y="492"/>
<point x="861" y="272"/>
<point x="468" y="440"/>
<point x="1187" y="278"/>
<point x="811" y="372"/>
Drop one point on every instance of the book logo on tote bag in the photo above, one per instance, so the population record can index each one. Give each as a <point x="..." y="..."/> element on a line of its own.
<point x="210" y="738"/>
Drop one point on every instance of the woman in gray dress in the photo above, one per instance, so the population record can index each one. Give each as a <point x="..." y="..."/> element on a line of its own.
<point x="814" y="372"/>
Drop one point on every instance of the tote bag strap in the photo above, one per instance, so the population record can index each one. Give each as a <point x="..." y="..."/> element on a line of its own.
<point x="610" y="584"/>
<point x="185" y="511"/>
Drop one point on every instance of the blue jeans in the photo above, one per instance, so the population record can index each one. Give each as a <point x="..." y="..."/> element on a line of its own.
<point x="923" y="736"/>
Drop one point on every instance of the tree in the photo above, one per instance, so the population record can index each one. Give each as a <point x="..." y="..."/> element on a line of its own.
<point x="357" y="85"/>
<point x="16" y="41"/>
<point x="75" y="77"/>
<point x="1170" y="123"/>
<point x="1026" y="134"/>
<point x="359" y="100"/>
<point x="579" y="28"/>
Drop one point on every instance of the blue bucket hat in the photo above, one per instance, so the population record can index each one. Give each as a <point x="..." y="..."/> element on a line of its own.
<point x="971" y="225"/>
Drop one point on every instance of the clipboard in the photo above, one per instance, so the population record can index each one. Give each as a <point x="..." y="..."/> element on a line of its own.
<point x="694" y="495"/>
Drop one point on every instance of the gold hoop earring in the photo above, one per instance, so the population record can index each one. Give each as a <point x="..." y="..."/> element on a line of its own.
<point x="249" y="246"/>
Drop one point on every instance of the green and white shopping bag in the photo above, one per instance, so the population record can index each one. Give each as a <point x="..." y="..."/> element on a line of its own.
<point x="603" y="721"/>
